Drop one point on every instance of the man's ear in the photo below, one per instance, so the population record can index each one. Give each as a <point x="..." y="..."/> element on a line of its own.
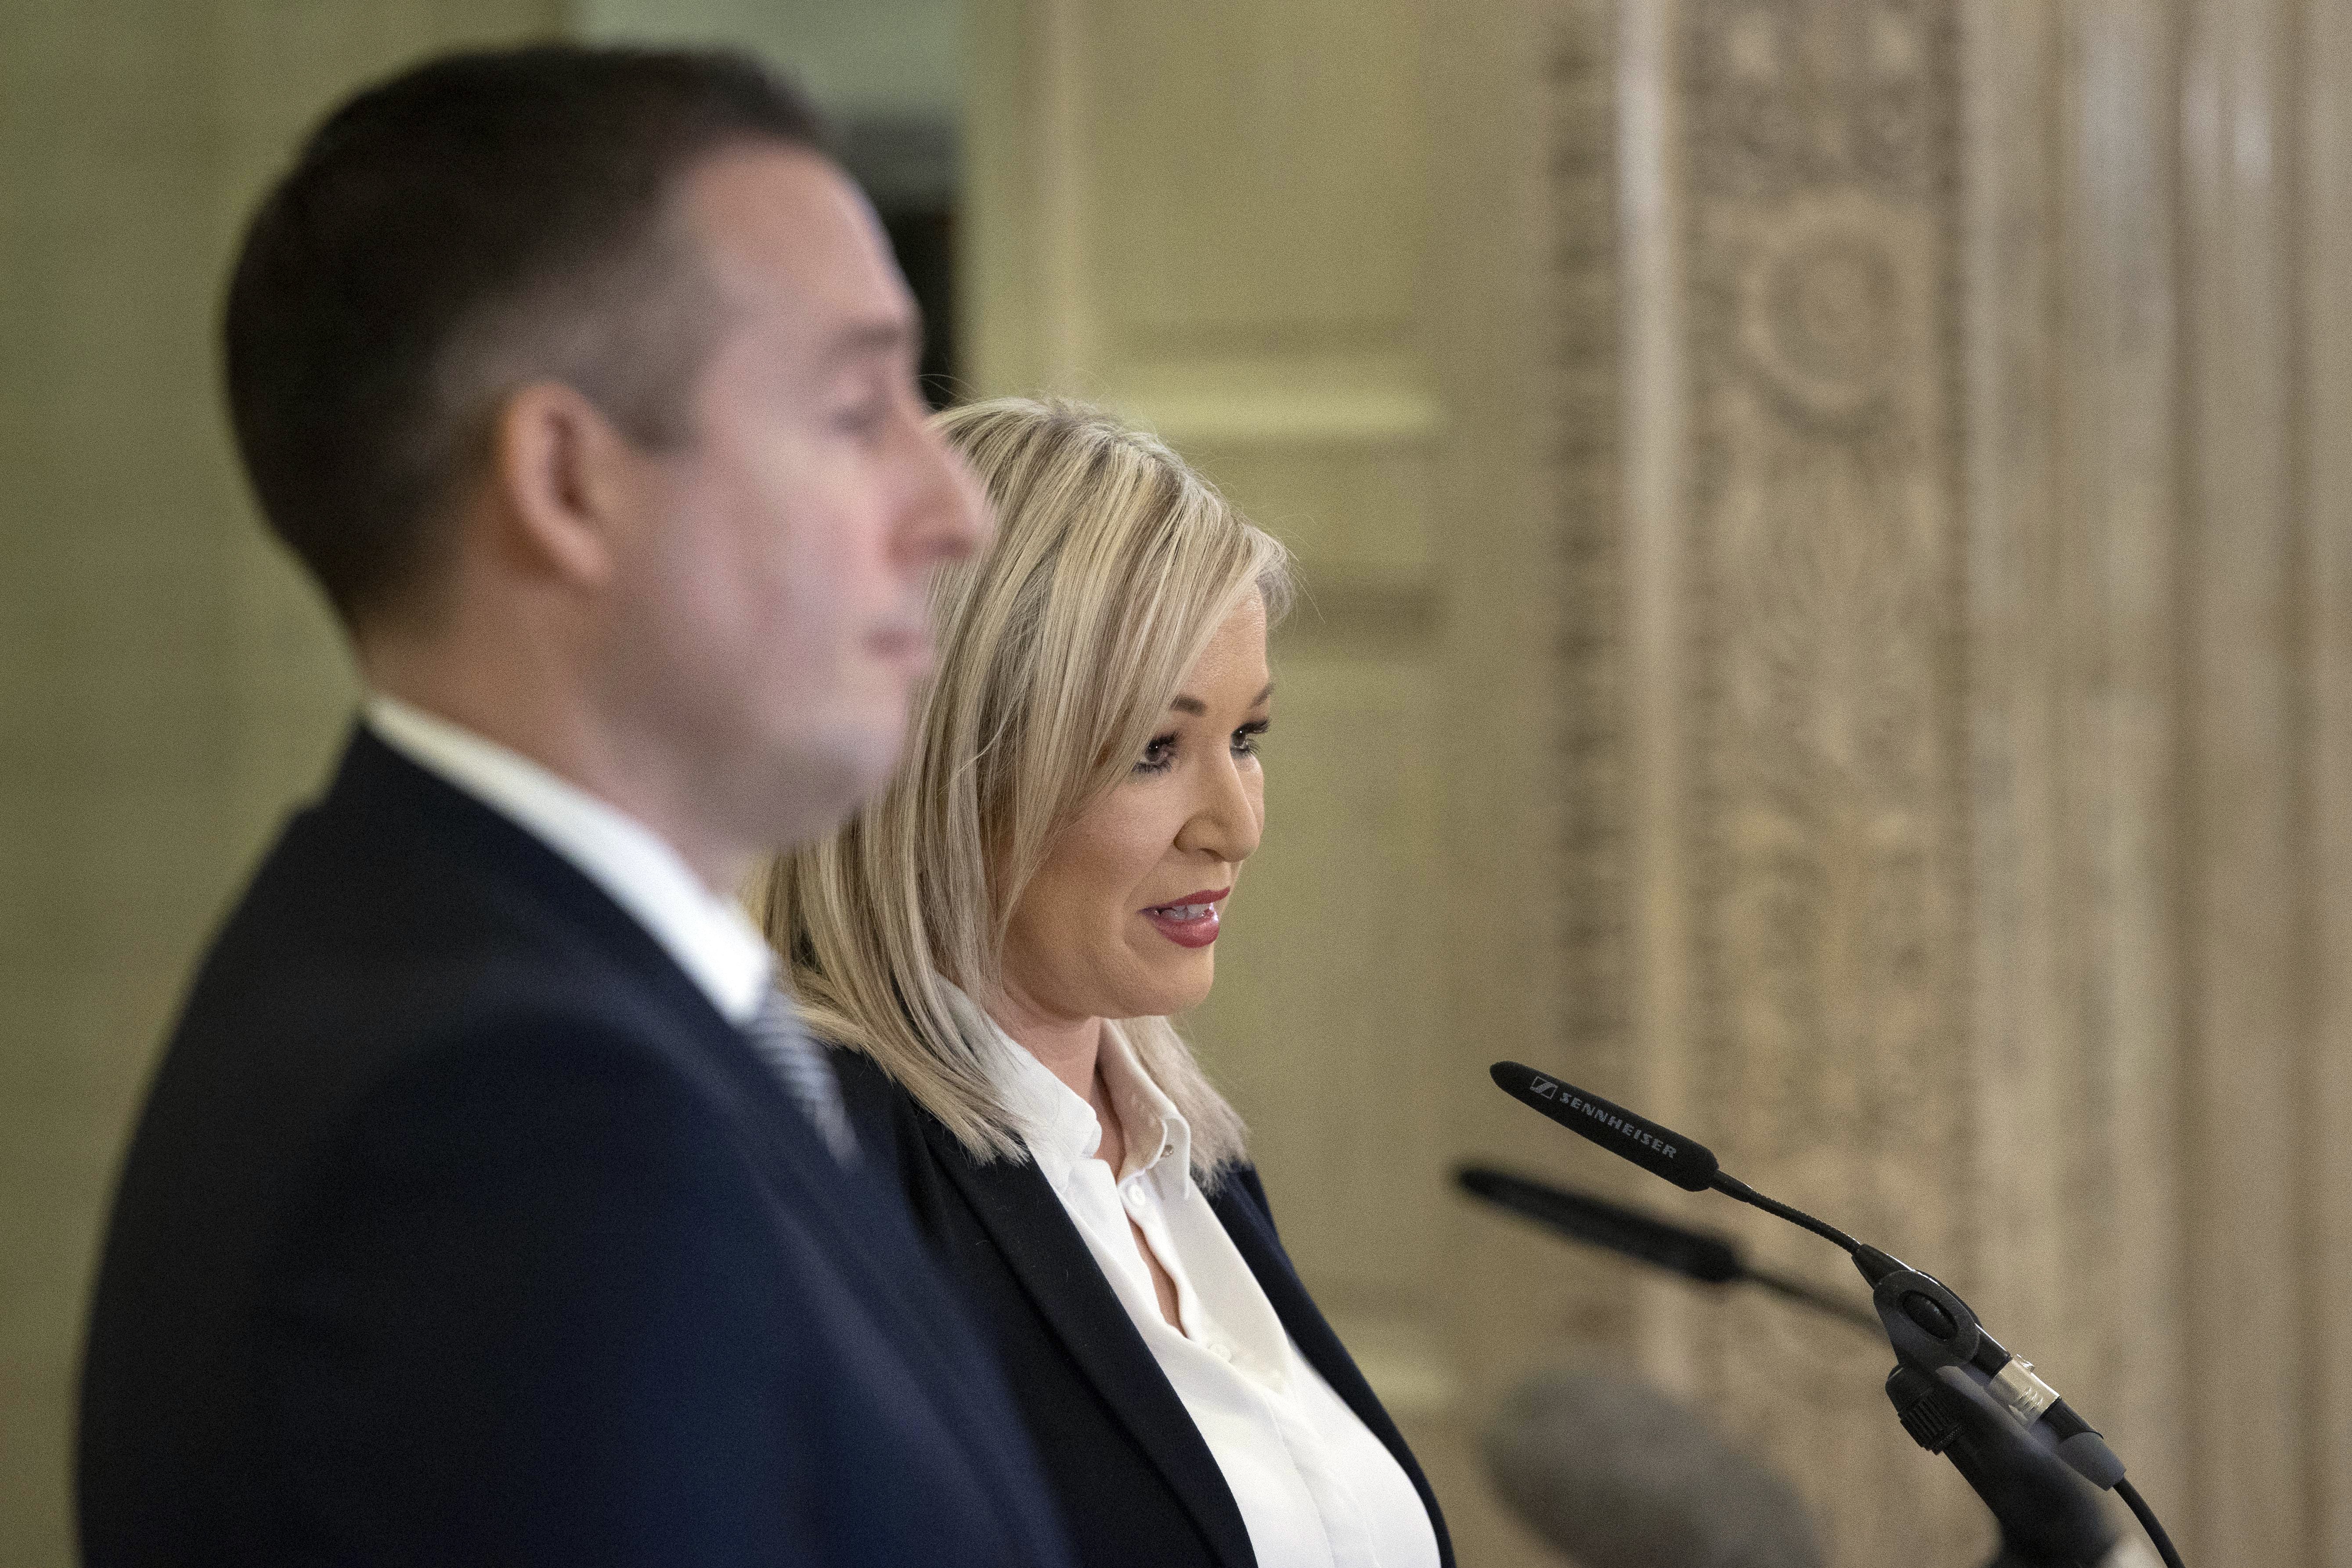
<point x="566" y="482"/>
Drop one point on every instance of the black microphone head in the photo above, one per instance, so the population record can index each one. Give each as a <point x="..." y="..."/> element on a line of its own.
<point x="1655" y="1149"/>
<point x="1610" y="1470"/>
<point x="1693" y="1254"/>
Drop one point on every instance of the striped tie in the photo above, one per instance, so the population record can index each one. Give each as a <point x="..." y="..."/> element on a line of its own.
<point x="776" y="1034"/>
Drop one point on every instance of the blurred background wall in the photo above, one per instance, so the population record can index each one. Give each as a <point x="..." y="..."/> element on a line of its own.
<point x="1828" y="536"/>
<point x="166" y="687"/>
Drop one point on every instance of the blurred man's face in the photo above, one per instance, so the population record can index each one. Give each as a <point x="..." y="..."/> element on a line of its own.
<point x="771" y="617"/>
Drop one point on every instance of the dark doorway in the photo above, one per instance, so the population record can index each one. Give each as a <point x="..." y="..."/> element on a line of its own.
<point x="910" y="169"/>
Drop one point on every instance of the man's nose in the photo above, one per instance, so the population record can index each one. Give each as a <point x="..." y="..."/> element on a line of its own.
<point x="949" y="518"/>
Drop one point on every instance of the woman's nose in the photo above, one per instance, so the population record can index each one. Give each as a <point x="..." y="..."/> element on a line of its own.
<point x="1226" y="820"/>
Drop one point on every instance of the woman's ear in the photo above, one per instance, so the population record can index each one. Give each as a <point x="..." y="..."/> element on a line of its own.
<point x="567" y="482"/>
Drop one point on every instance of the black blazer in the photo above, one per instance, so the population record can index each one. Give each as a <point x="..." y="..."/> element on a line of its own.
<point x="460" y="1228"/>
<point x="1138" y="1486"/>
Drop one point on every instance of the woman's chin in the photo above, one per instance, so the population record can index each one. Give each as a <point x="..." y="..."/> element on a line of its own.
<point x="1177" y="985"/>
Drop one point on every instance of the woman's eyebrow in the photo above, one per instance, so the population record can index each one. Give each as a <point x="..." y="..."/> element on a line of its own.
<point x="1199" y="709"/>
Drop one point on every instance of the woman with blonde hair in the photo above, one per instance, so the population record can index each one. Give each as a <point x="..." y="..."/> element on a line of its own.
<point x="994" y="946"/>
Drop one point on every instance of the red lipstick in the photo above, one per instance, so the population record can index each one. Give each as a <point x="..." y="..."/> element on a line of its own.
<point x="1190" y="920"/>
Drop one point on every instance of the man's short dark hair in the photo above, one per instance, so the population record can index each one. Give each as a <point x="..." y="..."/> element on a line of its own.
<point x="476" y="223"/>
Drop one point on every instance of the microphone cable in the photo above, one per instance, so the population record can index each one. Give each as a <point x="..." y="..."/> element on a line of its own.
<point x="2148" y="1522"/>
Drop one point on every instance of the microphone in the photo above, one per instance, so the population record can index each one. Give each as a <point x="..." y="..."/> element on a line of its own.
<point x="1929" y="1327"/>
<point x="1695" y="1255"/>
<point x="1614" y="1471"/>
<point x="1687" y="1164"/>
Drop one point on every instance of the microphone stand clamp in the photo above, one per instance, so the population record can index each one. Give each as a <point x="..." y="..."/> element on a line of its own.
<point x="1958" y="1393"/>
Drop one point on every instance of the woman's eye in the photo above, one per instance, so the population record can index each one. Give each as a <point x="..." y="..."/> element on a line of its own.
<point x="1158" y="756"/>
<point x="1246" y="738"/>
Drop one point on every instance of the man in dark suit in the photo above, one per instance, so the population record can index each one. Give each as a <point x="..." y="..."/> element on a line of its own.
<point x="486" y="1206"/>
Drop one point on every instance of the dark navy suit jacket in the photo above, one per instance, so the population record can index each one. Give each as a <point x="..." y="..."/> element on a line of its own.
<point x="459" y="1229"/>
<point x="1135" y="1482"/>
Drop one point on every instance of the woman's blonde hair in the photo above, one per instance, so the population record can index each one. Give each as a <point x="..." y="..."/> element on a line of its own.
<point x="1060" y="647"/>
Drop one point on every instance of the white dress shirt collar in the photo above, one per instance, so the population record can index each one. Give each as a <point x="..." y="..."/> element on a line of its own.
<point x="708" y="937"/>
<point x="1315" y="1488"/>
<point x="1059" y="1124"/>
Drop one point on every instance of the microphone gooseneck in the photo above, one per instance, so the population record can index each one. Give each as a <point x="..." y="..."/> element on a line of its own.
<point x="1935" y="1335"/>
<point x="1732" y="1186"/>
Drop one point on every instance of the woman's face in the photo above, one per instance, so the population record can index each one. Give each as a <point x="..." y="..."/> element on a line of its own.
<point x="1121" y="919"/>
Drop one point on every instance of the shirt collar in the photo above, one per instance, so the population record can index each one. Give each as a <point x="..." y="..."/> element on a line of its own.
<point x="1058" y="1123"/>
<point x="708" y="937"/>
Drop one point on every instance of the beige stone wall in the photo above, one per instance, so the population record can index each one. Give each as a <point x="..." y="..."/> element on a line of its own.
<point x="1976" y="612"/>
<point x="167" y="687"/>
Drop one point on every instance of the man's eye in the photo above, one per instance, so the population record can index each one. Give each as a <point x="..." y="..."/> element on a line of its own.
<point x="863" y="419"/>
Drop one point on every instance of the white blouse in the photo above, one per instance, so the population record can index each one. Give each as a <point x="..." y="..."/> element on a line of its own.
<point x="1317" y="1489"/>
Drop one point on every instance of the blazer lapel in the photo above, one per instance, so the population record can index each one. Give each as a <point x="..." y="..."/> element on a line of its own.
<point x="1240" y="1203"/>
<point x="1044" y="1250"/>
<point x="857" y="1222"/>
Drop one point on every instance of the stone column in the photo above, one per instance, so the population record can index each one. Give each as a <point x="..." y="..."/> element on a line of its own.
<point x="1967" y="646"/>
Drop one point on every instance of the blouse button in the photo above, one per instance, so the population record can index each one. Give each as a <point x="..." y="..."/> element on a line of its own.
<point x="1222" y="1350"/>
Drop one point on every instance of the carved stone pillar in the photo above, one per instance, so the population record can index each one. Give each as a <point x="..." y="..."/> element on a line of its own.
<point x="1965" y="656"/>
<point x="1794" y="623"/>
